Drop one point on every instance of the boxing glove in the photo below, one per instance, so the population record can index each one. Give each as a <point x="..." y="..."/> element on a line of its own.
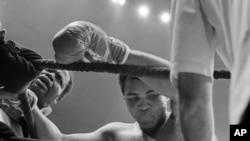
<point x="84" y="41"/>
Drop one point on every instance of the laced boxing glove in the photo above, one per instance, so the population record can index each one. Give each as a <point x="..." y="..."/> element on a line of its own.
<point x="84" y="41"/>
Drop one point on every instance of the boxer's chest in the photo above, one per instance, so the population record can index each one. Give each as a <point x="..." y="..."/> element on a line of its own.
<point x="167" y="133"/>
<point x="142" y="137"/>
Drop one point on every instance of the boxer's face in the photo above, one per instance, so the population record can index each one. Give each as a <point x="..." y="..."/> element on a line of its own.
<point x="146" y="106"/>
<point x="49" y="86"/>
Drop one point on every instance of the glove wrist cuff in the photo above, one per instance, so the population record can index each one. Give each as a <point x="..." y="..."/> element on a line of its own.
<point x="127" y="50"/>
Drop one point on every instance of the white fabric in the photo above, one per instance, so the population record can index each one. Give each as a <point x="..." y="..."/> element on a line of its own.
<point x="202" y="27"/>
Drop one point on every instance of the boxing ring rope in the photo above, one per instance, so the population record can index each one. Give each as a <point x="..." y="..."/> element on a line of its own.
<point x="131" y="70"/>
<point x="138" y="71"/>
<point x="30" y="120"/>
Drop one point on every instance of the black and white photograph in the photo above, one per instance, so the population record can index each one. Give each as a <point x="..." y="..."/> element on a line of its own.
<point x="124" y="70"/>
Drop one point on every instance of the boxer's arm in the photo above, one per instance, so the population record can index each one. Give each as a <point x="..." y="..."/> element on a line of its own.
<point x="46" y="129"/>
<point x="49" y="131"/>
<point x="161" y="85"/>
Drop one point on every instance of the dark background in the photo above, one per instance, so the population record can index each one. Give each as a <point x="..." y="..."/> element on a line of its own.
<point x="96" y="98"/>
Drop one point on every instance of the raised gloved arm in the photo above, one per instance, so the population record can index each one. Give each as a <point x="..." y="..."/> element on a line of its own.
<point x="83" y="41"/>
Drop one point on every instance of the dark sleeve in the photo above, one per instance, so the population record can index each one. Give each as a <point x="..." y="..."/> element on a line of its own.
<point x="6" y="132"/>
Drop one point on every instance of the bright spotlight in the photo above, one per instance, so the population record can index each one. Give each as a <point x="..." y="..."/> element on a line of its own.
<point x="143" y="11"/>
<point x="165" y="17"/>
<point x="122" y="2"/>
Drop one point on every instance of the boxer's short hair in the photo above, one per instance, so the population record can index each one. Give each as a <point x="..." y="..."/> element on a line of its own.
<point x="123" y="79"/>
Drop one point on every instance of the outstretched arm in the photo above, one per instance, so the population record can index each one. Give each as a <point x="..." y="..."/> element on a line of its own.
<point x="46" y="129"/>
<point x="49" y="131"/>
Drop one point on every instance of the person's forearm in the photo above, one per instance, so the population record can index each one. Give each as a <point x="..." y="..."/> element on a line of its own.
<point x="46" y="129"/>
<point x="196" y="103"/>
<point x="161" y="85"/>
<point x="139" y="58"/>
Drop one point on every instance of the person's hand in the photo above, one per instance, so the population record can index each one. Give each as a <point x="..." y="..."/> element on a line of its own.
<point x="16" y="68"/>
<point x="11" y="102"/>
<point x="33" y="101"/>
<point x="83" y="41"/>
